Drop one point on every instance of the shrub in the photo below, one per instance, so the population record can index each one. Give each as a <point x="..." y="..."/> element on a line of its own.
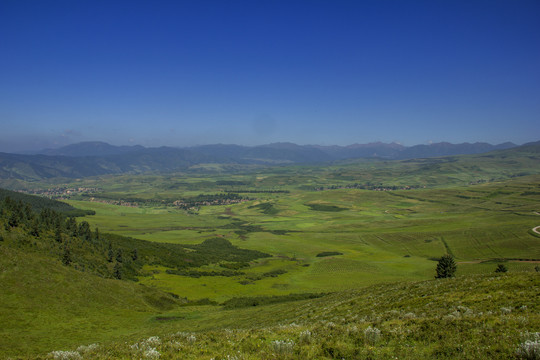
<point x="501" y="268"/>
<point x="151" y="353"/>
<point x="372" y="335"/>
<point x="64" y="355"/>
<point x="152" y="341"/>
<point x="305" y="337"/>
<point x="328" y="253"/>
<point x="282" y="347"/>
<point x="529" y="350"/>
<point x="87" y="348"/>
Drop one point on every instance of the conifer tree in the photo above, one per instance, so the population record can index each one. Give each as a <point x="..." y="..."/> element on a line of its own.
<point x="34" y="228"/>
<point x="58" y="235"/>
<point x="84" y="232"/>
<point x="117" y="271"/>
<point x="446" y="268"/>
<point x="119" y="257"/>
<point x="66" y="256"/>
<point x="110" y="253"/>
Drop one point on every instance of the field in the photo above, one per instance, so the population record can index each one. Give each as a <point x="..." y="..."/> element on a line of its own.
<point x="339" y="229"/>
<point x="383" y="236"/>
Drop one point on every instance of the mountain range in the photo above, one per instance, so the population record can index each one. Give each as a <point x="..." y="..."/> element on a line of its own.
<point x="99" y="158"/>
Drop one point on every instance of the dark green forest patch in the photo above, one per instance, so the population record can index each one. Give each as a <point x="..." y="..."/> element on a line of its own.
<point x="325" y="207"/>
<point x="328" y="253"/>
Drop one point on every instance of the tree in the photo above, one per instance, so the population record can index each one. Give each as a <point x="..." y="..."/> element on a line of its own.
<point x="446" y="268"/>
<point x="119" y="257"/>
<point x="501" y="268"/>
<point x="34" y="228"/>
<point x="71" y="225"/>
<point x="58" y="235"/>
<point x="66" y="256"/>
<point x="84" y="231"/>
<point x="117" y="271"/>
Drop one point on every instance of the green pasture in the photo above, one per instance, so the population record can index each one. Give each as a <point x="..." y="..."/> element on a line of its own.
<point x="481" y="209"/>
<point x="384" y="235"/>
<point x="46" y="305"/>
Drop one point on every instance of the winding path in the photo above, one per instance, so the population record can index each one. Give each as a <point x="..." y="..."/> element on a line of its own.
<point x="535" y="229"/>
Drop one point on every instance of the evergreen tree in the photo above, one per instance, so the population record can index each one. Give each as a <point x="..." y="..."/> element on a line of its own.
<point x="446" y="268"/>
<point x="84" y="232"/>
<point x="501" y="268"/>
<point x="66" y="256"/>
<point x="119" y="256"/>
<point x="27" y="212"/>
<point x="34" y="228"/>
<point x="58" y="235"/>
<point x="117" y="271"/>
<point x="14" y="219"/>
<point x="135" y="254"/>
<point x="110" y="253"/>
<point x="71" y="226"/>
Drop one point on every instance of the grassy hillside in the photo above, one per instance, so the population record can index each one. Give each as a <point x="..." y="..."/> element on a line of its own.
<point x="375" y="226"/>
<point x="471" y="317"/>
<point x="46" y="305"/>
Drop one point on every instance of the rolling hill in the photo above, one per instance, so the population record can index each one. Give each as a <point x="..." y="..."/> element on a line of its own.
<point x="97" y="158"/>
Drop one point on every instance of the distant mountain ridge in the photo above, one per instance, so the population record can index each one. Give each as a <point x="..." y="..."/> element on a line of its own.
<point x="91" y="148"/>
<point x="99" y="158"/>
<point x="289" y="152"/>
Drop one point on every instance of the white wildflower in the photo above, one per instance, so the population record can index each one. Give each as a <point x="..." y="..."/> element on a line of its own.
<point x="506" y="310"/>
<point x="65" y="355"/>
<point x="87" y="348"/>
<point x="191" y="339"/>
<point x="372" y="334"/>
<point x="305" y="337"/>
<point x="151" y="353"/>
<point x="282" y="347"/>
<point x="152" y="341"/>
<point x="529" y="350"/>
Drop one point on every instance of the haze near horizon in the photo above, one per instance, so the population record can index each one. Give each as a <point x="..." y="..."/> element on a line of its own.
<point x="251" y="73"/>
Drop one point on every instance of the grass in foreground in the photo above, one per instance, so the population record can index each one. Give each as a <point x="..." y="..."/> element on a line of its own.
<point x="471" y="317"/>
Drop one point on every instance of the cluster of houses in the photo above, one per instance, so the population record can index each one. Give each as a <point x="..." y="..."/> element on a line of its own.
<point x="61" y="193"/>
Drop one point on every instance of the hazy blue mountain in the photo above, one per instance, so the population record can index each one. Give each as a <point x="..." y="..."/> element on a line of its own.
<point x="371" y="150"/>
<point x="98" y="158"/>
<point x="277" y="153"/>
<point x="91" y="148"/>
<point x="446" y="149"/>
<point x="35" y="167"/>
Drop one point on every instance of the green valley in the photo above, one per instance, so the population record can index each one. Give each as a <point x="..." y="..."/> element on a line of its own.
<point x="212" y="258"/>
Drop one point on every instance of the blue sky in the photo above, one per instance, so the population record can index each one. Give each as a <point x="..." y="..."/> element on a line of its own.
<point x="182" y="73"/>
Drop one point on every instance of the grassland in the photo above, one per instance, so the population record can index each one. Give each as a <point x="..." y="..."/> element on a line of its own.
<point x="471" y="317"/>
<point x="386" y="224"/>
<point x="384" y="236"/>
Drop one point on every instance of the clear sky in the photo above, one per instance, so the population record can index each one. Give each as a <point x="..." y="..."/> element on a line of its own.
<point x="182" y="73"/>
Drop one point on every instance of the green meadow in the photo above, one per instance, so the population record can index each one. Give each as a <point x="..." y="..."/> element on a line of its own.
<point x="383" y="236"/>
<point x="354" y="244"/>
